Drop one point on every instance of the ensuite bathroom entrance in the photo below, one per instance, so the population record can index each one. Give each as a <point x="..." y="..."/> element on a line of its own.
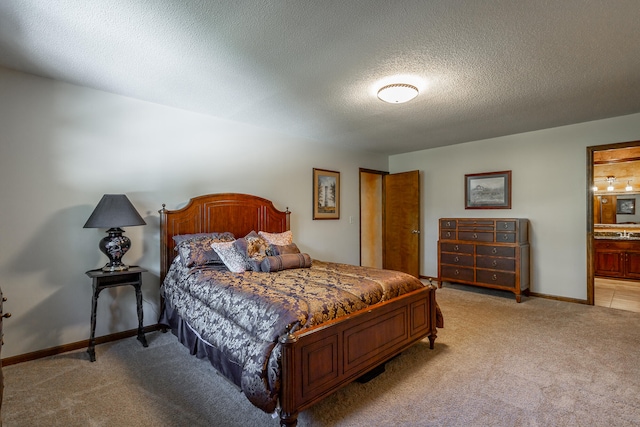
<point x="614" y="217"/>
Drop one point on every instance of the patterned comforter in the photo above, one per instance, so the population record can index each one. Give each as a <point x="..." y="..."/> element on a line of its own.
<point x="242" y="315"/>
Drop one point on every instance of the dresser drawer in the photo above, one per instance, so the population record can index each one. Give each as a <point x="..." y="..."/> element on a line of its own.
<point x="488" y="228"/>
<point x="506" y="264"/>
<point x="457" y="259"/>
<point x="475" y="223"/>
<point x="501" y="251"/>
<point x="456" y="273"/>
<point x="477" y="236"/>
<point x="448" y="223"/>
<point x="459" y="248"/>
<point x="505" y="226"/>
<point x="505" y="237"/>
<point x="497" y="278"/>
<point x="448" y="235"/>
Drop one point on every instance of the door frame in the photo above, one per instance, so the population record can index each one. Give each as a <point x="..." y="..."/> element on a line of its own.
<point x="590" y="234"/>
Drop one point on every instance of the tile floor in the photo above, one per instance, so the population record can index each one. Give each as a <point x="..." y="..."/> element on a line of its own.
<point x="622" y="295"/>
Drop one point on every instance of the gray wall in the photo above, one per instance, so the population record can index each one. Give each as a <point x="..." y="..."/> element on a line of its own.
<point x="549" y="173"/>
<point x="62" y="147"/>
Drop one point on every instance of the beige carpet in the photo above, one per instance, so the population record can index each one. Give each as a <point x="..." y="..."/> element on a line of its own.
<point x="496" y="363"/>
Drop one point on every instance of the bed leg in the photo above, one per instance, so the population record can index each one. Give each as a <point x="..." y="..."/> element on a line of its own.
<point x="288" y="420"/>
<point x="432" y="341"/>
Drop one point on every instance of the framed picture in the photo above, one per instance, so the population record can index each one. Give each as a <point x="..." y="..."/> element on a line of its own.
<point x="326" y="194"/>
<point x="490" y="190"/>
<point x="626" y="206"/>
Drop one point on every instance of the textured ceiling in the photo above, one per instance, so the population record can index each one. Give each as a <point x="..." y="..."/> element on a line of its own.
<point x="311" y="68"/>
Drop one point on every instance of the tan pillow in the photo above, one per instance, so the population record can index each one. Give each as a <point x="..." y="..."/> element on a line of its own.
<point x="279" y="239"/>
<point x="253" y="248"/>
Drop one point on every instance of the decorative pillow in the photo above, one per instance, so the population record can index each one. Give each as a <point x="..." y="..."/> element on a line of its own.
<point x="253" y="248"/>
<point x="224" y="236"/>
<point x="285" y="262"/>
<point x="280" y="239"/>
<point x="231" y="257"/>
<point x="197" y="252"/>
<point x="281" y="250"/>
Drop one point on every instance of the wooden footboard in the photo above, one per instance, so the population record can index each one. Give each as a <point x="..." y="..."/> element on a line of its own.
<point x="318" y="361"/>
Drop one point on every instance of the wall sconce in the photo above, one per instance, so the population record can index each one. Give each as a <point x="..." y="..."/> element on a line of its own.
<point x="628" y="187"/>
<point x="610" y="180"/>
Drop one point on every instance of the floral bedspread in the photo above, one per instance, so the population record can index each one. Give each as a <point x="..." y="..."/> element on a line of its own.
<point x="244" y="314"/>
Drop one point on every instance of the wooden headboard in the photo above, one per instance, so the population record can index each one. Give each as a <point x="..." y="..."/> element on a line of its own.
<point x="234" y="212"/>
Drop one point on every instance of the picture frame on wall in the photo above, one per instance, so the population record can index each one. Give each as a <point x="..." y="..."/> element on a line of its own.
<point x="489" y="190"/>
<point x="626" y="206"/>
<point x="326" y="194"/>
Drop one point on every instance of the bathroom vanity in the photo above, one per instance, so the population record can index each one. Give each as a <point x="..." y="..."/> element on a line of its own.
<point x="617" y="252"/>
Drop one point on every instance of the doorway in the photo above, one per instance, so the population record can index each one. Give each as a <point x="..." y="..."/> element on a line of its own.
<point x="390" y="220"/>
<point x="613" y="177"/>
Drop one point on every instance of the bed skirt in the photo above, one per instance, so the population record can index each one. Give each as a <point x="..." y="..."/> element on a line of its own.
<point x="200" y="348"/>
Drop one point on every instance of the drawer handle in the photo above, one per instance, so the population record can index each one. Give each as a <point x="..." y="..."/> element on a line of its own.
<point x="494" y="263"/>
<point x="505" y="237"/>
<point x="457" y="272"/>
<point x="456" y="247"/>
<point x="448" y="234"/>
<point x="448" y="223"/>
<point x="505" y="225"/>
<point x="494" y="250"/>
<point x="494" y="277"/>
<point x="475" y="235"/>
<point x="456" y="259"/>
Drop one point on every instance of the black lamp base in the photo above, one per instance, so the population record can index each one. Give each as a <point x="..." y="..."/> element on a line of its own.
<point x="114" y="246"/>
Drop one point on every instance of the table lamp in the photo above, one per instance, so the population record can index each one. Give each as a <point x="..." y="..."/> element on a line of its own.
<point x="114" y="211"/>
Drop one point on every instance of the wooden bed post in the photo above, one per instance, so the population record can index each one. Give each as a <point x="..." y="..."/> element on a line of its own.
<point x="164" y="246"/>
<point x="288" y="413"/>
<point x="433" y="334"/>
<point x="164" y="256"/>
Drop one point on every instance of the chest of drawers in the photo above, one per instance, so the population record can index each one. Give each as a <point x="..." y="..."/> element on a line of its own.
<point x="487" y="252"/>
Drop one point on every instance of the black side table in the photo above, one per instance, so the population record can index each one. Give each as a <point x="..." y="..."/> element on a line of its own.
<point x="109" y="279"/>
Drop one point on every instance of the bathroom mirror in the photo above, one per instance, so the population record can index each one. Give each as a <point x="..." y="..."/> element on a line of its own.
<point x="616" y="176"/>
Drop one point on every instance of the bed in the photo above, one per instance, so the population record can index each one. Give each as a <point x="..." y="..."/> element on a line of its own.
<point x="288" y="351"/>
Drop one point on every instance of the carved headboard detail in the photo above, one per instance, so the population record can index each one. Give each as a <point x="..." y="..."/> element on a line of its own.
<point x="234" y="212"/>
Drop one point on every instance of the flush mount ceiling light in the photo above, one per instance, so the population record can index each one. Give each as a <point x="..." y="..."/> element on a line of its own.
<point x="397" y="93"/>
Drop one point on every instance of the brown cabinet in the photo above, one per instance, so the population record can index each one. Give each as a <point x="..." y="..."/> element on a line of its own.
<point x="487" y="252"/>
<point x="616" y="258"/>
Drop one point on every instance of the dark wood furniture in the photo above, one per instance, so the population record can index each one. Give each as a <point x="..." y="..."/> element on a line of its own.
<point x="3" y="315"/>
<point x="487" y="252"/>
<point x="108" y="279"/>
<point x="319" y="360"/>
<point x="617" y="258"/>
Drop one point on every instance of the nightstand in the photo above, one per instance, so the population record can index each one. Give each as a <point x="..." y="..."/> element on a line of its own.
<point x="109" y="279"/>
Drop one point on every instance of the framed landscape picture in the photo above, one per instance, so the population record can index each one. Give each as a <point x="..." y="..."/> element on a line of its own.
<point x="489" y="190"/>
<point x="626" y="206"/>
<point x="326" y="194"/>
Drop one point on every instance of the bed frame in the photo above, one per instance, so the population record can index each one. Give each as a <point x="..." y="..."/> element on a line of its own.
<point x="320" y="360"/>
